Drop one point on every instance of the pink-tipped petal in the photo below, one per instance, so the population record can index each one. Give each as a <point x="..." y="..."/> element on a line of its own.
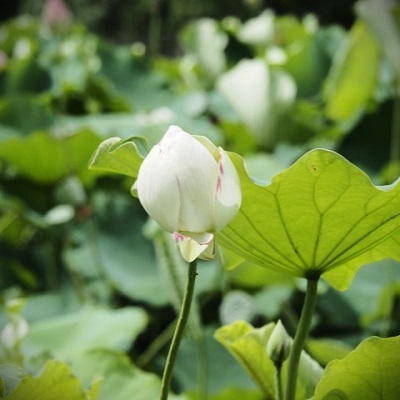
<point x="229" y="195"/>
<point x="202" y="246"/>
<point x="176" y="183"/>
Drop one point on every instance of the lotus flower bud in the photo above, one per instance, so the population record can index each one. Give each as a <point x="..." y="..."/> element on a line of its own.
<point x="56" y="14"/>
<point x="190" y="188"/>
<point x="279" y="344"/>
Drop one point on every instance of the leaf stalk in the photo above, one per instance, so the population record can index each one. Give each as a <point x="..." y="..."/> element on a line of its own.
<point x="300" y="337"/>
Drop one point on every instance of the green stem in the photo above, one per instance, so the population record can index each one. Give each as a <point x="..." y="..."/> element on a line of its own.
<point x="180" y="327"/>
<point x="300" y="337"/>
<point x="278" y="381"/>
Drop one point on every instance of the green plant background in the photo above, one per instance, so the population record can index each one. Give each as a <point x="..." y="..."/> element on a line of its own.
<point x="90" y="288"/>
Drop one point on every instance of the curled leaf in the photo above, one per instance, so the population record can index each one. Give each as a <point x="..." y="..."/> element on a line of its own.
<point x="122" y="156"/>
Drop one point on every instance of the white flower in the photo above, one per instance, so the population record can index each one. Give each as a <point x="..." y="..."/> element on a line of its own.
<point x="190" y="188"/>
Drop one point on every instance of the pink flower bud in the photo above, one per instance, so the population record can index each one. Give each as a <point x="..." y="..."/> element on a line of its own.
<point x="56" y="14"/>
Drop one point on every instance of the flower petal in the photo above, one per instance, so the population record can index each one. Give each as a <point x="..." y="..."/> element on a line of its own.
<point x="228" y="195"/>
<point x="157" y="189"/>
<point x="199" y="246"/>
<point x="196" y="174"/>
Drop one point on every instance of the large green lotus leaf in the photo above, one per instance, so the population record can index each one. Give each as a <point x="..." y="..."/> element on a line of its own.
<point x="248" y="346"/>
<point x="389" y="248"/>
<point x="10" y="378"/>
<point x="321" y="216"/>
<point x="128" y="75"/>
<point x="371" y="371"/>
<point x="120" y="379"/>
<point x="243" y="273"/>
<point x="119" y="156"/>
<point x="45" y="158"/>
<point x="68" y="335"/>
<point x="56" y="381"/>
<point x="350" y="85"/>
<point x="126" y="260"/>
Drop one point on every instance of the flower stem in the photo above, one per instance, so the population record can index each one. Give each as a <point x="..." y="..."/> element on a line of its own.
<point x="179" y="329"/>
<point x="278" y="381"/>
<point x="300" y="337"/>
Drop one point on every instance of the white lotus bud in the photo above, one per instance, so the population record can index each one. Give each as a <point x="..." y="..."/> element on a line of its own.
<point x="279" y="344"/>
<point x="190" y="188"/>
